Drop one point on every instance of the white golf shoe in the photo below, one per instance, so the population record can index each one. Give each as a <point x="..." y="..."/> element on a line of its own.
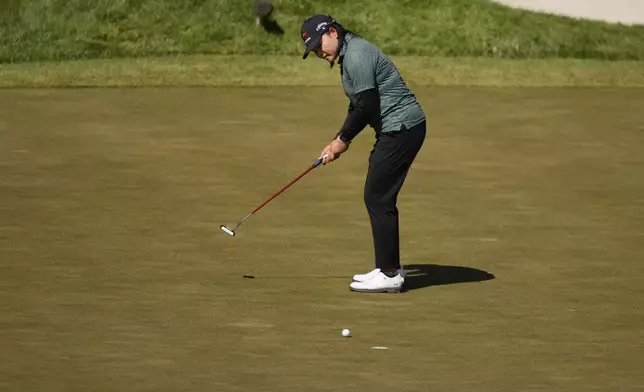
<point x="372" y="273"/>
<point x="379" y="283"/>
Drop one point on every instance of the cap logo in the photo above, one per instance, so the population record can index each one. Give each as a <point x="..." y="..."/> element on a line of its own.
<point x="320" y="26"/>
<point x="306" y="41"/>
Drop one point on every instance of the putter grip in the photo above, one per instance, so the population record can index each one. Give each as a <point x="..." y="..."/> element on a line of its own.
<point x="319" y="162"/>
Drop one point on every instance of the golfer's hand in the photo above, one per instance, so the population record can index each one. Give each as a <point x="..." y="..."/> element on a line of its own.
<point x="333" y="151"/>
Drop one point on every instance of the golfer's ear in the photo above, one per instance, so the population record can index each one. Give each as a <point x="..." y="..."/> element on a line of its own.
<point x="333" y="32"/>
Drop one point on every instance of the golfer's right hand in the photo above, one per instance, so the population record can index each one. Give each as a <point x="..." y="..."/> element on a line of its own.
<point x="327" y="155"/>
<point x="333" y="151"/>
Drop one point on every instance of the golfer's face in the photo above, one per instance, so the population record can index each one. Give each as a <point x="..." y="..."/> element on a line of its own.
<point x="328" y="49"/>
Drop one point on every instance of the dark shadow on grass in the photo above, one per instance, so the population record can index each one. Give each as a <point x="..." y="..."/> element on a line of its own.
<point x="272" y="27"/>
<point x="264" y="11"/>
<point x="418" y="276"/>
<point x="425" y="275"/>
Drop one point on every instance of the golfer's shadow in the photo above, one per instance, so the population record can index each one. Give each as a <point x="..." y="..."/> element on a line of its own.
<point x="425" y="275"/>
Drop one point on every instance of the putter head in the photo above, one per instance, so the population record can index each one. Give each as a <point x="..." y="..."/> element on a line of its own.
<point x="227" y="230"/>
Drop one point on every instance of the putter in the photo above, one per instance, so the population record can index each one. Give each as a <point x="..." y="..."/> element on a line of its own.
<point x="231" y="232"/>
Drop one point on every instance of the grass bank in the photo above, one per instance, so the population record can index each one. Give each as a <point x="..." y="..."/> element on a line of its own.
<point x="271" y="70"/>
<point x="39" y="30"/>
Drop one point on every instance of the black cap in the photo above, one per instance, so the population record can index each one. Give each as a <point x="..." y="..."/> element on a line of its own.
<point x="313" y="29"/>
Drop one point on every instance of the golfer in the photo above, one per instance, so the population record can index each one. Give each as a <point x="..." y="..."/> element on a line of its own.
<point x="378" y="97"/>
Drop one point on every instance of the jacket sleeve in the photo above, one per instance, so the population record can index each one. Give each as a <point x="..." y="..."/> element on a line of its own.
<point x="363" y="111"/>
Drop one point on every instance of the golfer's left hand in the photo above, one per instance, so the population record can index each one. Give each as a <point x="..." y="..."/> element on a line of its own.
<point x="333" y="151"/>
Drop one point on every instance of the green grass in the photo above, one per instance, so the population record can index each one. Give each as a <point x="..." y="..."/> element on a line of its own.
<point x="115" y="276"/>
<point x="268" y="70"/>
<point x="35" y="30"/>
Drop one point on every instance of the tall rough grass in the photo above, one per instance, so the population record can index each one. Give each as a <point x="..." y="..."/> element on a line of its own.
<point x="34" y="30"/>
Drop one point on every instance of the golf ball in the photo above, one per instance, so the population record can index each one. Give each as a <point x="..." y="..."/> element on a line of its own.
<point x="346" y="333"/>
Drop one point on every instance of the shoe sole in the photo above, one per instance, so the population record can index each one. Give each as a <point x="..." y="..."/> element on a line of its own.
<point x="354" y="280"/>
<point x="391" y="290"/>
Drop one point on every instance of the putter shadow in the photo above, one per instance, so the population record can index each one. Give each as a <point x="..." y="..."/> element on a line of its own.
<point x="425" y="275"/>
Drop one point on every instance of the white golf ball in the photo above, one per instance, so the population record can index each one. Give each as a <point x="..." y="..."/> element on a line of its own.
<point x="346" y="333"/>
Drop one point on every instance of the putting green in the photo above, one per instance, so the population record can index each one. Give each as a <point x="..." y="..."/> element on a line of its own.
<point x="522" y="226"/>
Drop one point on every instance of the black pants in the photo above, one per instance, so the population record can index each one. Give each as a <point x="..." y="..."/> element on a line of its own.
<point x="389" y="162"/>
